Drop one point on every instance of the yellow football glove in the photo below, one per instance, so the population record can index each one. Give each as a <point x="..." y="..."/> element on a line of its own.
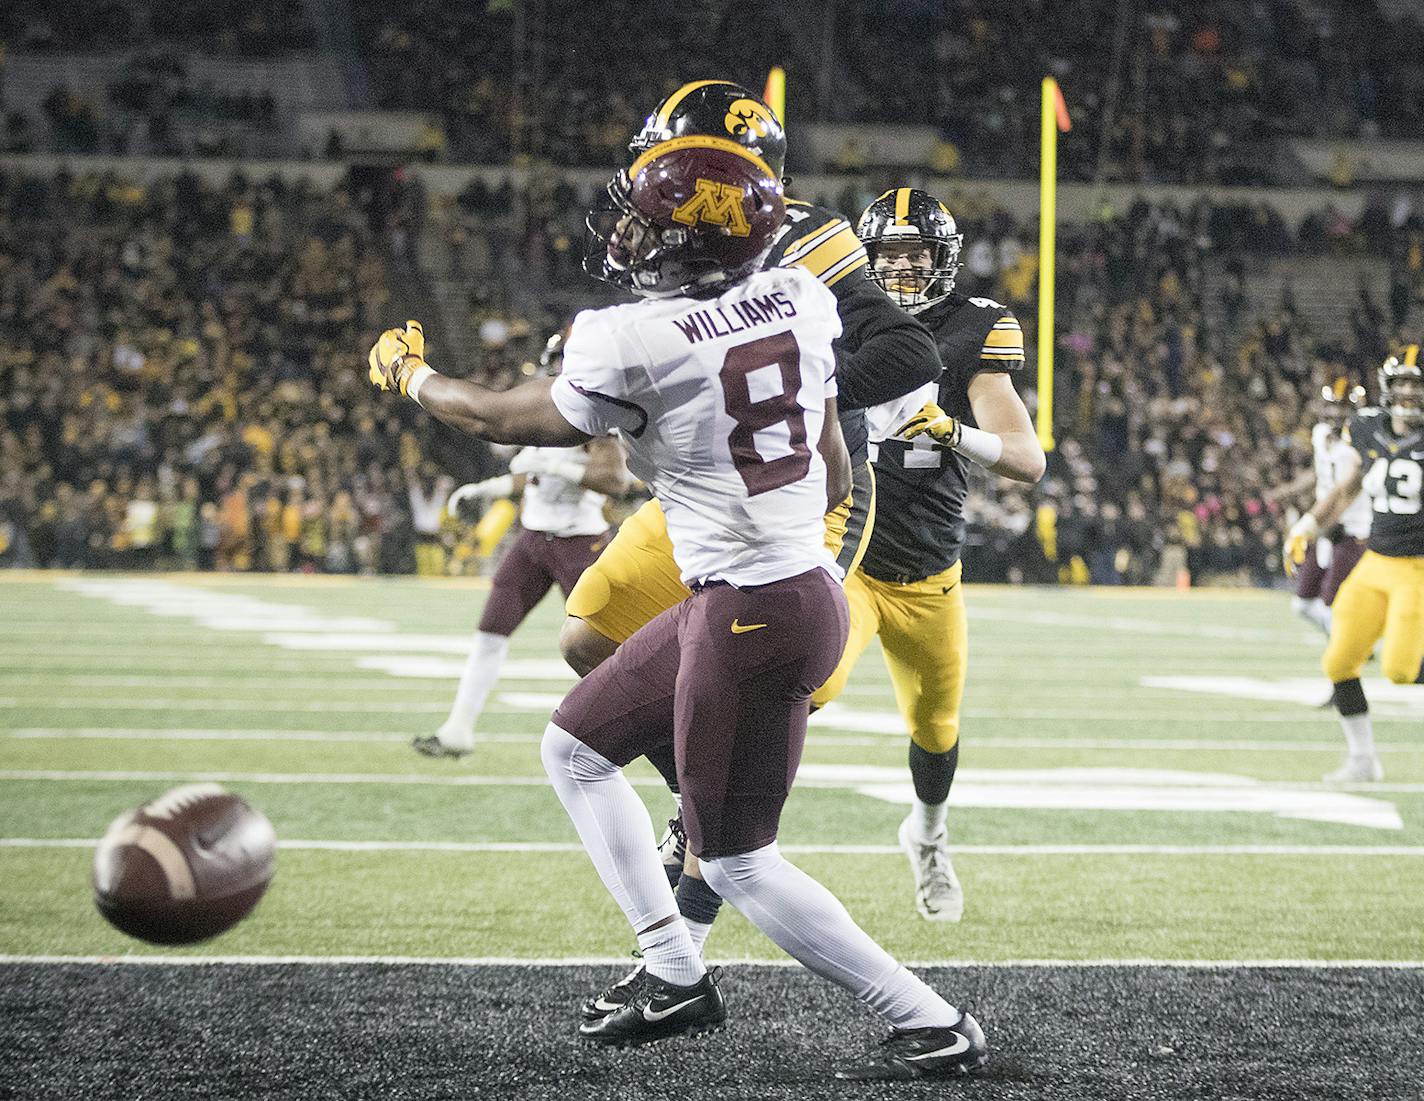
<point x="934" y="420"/>
<point x="397" y="355"/>
<point x="1302" y="533"/>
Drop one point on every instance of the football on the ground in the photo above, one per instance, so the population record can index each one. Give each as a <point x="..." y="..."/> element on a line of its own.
<point x="185" y="867"/>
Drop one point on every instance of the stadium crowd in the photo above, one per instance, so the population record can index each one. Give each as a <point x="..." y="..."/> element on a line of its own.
<point x="185" y="386"/>
<point x="183" y="383"/>
<point x="1198" y="92"/>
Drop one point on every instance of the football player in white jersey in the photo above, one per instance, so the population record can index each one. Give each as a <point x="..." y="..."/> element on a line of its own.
<point x="721" y="385"/>
<point x="563" y="530"/>
<point x="1331" y="557"/>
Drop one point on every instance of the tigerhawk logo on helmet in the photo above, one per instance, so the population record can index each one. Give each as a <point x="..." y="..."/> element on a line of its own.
<point x="716" y="107"/>
<point x="750" y="117"/>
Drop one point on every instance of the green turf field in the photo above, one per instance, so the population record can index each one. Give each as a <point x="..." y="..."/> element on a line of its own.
<point x="1139" y="778"/>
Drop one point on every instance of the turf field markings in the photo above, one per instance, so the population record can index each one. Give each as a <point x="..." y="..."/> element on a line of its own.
<point x="622" y="961"/>
<point x="820" y="737"/>
<point x="839" y="717"/>
<point x="1413" y="851"/>
<point x="1384" y="696"/>
<point x="1133" y="625"/>
<point x="177" y="734"/>
<point x="1119" y="789"/>
<point x="1091" y="789"/>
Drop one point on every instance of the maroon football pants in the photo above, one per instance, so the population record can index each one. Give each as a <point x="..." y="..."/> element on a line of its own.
<point x="726" y="677"/>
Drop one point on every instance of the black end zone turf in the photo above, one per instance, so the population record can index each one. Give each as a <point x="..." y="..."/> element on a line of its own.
<point x="90" y="1032"/>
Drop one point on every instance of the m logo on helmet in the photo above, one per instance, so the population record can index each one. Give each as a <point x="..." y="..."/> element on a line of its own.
<point x="715" y="204"/>
<point x="747" y="116"/>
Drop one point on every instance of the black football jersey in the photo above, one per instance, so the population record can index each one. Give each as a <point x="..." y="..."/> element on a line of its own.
<point x="1394" y="481"/>
<point x="921" y="485"/>
<point x="883" y="352"/>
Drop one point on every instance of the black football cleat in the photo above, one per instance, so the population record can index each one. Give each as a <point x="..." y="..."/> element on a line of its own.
<point x="614" y="997"/>
<point x="673" y="849"/>
<point x="431" y="746"/>
<point x="659" y="1010"/>
<point x="948" y="1051"/>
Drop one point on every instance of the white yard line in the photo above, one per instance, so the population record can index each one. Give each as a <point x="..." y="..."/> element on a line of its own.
<point x="845" y="721"/>
<point x="1132" y="625"/>
<point x="462" y="780"/>
<point x="622" y="961"/>
<point x="819" y="735"/>
<point x="803" y="850"/>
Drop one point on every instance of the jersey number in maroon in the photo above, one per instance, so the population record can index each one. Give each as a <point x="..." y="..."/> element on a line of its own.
<point x="779" y="350"/>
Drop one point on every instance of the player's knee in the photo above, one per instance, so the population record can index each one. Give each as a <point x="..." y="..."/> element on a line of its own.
<point x="1339" y="666"/>
<point x="939" y="736"/>
<point x="1399" y="668"/>
<point x="735" y="877"/>
<point x="583" y="647"/>
<point x="568" y="759"/>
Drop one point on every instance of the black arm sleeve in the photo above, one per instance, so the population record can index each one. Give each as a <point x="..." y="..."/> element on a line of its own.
<point x="883" y="352"/>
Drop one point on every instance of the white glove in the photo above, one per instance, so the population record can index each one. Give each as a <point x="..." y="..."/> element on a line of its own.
<point x="489" y="490"/>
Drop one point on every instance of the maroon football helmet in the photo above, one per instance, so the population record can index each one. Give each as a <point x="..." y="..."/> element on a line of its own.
<point x="689" y="216"/>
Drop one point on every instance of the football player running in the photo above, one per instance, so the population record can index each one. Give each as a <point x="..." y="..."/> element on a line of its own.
<point x="722" y="387"/>
<point x="907" y="588"/>
<point x="1329" y="560"/>
<point x="1384" y="595"/>
<point x="562" y="529"/>
<point x="882" y="353"/>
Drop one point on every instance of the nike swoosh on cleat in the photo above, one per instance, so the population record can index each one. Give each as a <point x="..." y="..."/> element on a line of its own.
<point x="961" y="1044"/>
<point x="652" y="1016"/>
<point x="738" y="629"/>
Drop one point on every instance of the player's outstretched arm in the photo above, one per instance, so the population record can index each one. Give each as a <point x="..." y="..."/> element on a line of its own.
<point x="832" y="447"/>
<point x="1000" y="411"/>
<point x="525" y="414"/>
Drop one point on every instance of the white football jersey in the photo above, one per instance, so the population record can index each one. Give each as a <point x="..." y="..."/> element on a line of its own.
<point x="882" y="421"/>
<point x="719" y="403"/>
<point x="1331" y="455"/>
<point x="559" y="507"/>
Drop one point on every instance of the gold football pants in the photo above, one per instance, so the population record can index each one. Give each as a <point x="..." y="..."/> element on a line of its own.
<point x="1382" y="597"/>
<point x="924" y="634"/>
<point x="636" y="579"/>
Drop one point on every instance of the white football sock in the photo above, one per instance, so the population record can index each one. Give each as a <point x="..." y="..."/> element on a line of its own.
<point x="1312" y="609"/>
<point x="487" y="654"/>
<point x="617" y="831"/>
<point x="1359" y="734"/>
<point x="669" y="953"/>
<point x="927" y="820"/>
<point x="809" y="923"/>
<point x="698" y="931"/>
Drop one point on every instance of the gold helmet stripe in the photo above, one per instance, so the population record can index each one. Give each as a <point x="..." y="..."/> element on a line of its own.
<point x="697" y="141"/>
<point x="902" y="206"/>
<point x="670" y="104"/>
<point x="1411" y="356"/>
